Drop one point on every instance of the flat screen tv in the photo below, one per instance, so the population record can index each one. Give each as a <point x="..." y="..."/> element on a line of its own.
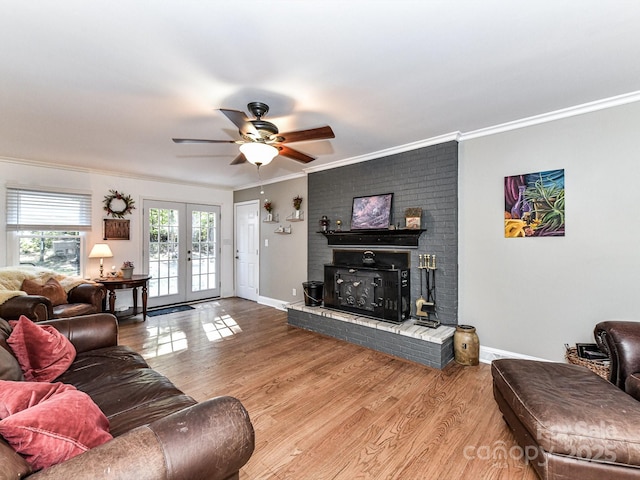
<point x="372" y="212"/>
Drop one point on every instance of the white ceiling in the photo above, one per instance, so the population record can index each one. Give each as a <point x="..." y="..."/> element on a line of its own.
<point x="106" y="84"/>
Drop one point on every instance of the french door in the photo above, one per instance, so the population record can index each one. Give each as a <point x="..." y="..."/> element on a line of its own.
<point x="182" y="251"/>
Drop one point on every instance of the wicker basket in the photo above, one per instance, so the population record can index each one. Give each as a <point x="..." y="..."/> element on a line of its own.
<point x="600" y="368"/>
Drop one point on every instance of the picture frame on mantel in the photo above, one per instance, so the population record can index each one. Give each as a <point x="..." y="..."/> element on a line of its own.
<point x="114" y="229"/>
<point x="413" y="217"/>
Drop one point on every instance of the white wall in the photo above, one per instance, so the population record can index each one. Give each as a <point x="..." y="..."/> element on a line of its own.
<point x="533" y="295"/>
<point x="283" y="263"/>
<point x="24" y="174"/>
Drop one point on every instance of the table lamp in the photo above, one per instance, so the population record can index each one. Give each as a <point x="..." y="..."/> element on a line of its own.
<point x="101" y="251"/>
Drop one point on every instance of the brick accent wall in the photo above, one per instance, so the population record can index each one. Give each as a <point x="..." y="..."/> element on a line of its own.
<point x="426" y="178"/>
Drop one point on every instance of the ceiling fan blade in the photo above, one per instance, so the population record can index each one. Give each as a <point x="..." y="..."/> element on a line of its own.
<point x="295" y="154"/>
<point x="239" y="159"/>
<point x="305" y="135"/>
<point x="241" y="121"/>
<point x="196" y="140"/>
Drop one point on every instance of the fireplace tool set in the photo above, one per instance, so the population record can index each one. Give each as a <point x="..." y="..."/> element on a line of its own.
<point x="427" y="306"/>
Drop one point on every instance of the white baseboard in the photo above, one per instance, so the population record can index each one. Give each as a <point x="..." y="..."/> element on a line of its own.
<point x="488" y="355"/>
<point x="273" y="302"/>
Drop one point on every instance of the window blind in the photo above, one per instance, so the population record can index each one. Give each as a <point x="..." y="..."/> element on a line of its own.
<point x="42" y="210"/>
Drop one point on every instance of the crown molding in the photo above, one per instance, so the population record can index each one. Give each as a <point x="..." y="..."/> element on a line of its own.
<point x="553" y="116"/>
<point x="386" y="152"/>
<point x="269" y="182"/>
<point x="95" y="171"/>
<point x="573" y="111"/>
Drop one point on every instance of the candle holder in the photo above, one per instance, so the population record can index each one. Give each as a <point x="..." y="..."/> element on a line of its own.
<point x="324" y="223"/>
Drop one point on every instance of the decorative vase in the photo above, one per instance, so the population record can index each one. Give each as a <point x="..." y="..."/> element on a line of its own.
<point x="269" y="217"/>
<point x="466" y="345"/>
<point x="127" y="272"/>
<point x="296" y="213"/>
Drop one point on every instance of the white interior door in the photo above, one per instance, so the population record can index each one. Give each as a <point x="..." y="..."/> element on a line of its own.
<point x="247" y="243"/>
<point x="181" y="252"/>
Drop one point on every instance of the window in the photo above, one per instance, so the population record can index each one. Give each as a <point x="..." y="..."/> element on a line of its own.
<point x="59" y="251"/>
<point x="46" y="228"/>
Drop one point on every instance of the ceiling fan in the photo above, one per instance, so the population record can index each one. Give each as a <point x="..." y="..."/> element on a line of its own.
<point x="261" y="141"/>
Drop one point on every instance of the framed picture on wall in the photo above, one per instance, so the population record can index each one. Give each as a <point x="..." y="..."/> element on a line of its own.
<point x="115" y="229"/>
<point x="534" y="205"/>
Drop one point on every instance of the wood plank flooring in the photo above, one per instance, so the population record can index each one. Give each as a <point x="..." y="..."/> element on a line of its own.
<point x="324" y="409"/>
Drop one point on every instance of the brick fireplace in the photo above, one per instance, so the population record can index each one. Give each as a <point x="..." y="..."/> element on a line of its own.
<point x="367" y="302"/>
<point x="426" y="178"/>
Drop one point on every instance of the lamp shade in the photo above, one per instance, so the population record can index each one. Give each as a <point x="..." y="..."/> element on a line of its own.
<point x="100" y="250"/>
<point x="258" y="153"/>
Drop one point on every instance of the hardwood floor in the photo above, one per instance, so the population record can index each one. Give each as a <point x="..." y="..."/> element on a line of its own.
<point x="326" y="409"/>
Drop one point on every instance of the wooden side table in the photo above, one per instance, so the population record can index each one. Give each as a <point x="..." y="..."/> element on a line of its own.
<point x="118" y="283"/>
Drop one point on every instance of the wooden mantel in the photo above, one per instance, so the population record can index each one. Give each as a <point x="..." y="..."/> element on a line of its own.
<point x="374" y="238"/>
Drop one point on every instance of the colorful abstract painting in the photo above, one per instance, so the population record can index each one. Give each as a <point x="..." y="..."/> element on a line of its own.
<point x="534" y="205"/>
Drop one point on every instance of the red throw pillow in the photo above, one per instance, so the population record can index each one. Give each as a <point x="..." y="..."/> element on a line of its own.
<point x="52" y="290"/>
<point x="42" y="352"/>
<point x="18" y="396"/>
<point x="50" y="423"/>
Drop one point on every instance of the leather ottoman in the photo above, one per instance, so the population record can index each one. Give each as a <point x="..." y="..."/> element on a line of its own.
<point x="569" y="422"/>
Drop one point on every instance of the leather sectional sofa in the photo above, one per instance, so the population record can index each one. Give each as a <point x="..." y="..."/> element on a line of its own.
<point x="569" y="422"/>
<point x="158" y="431"/>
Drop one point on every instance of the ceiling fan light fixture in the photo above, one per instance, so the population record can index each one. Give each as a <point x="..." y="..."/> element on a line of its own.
<point x="258" y="153"/>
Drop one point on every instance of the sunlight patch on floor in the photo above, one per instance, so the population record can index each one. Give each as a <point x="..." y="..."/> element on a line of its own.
<point x="164" y="340"/>
<point x="221" y="327"/>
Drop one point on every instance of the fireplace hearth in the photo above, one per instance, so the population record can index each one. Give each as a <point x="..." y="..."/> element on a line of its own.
<point x="374" y="284"/>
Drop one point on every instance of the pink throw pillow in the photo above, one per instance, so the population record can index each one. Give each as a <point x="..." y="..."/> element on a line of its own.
<point x="50" y="423"/>
<point x="42" y="352"/>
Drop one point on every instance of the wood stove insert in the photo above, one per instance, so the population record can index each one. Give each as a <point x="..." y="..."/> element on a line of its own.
<point x="374" y="284"/>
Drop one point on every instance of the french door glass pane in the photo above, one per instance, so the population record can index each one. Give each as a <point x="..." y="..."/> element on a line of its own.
<point x="203" y="251"/>
<point x="163" y="251"/>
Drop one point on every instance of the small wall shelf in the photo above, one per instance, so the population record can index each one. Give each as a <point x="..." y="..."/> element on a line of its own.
<point x="293" y="218"/>
<point x="283" y="230"/>
<point x="275" y="218"/>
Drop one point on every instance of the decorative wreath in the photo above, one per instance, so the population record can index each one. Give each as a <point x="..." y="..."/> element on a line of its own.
<point x="121" y="198"/>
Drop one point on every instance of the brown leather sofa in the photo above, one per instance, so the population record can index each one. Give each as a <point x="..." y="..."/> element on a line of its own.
<point x="84" y="299"/>
<point x="569" y="422"/>
<point x="159" y="432"/>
